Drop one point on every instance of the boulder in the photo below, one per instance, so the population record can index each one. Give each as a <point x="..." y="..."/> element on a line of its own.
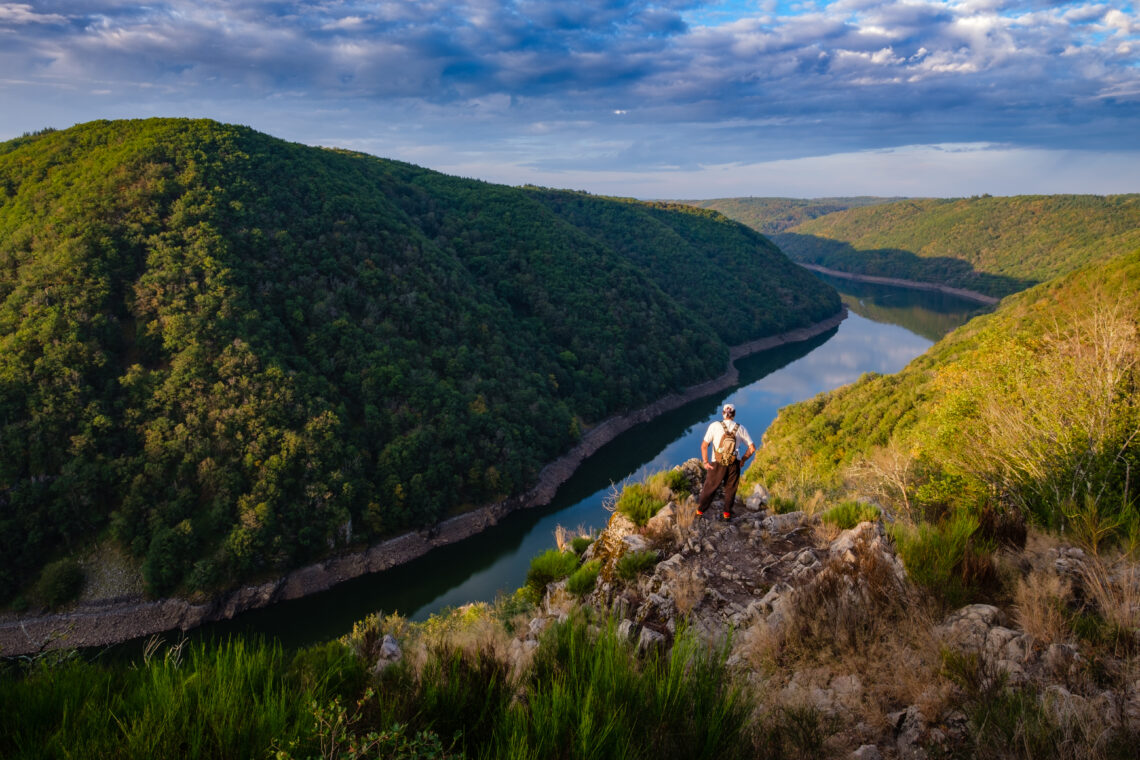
<point x="785" y="523"/>
<point x="757" y="500"/>
<point x="390" y="653"/>
<point x="968" y="628"/>
<point x="662" y="522"/>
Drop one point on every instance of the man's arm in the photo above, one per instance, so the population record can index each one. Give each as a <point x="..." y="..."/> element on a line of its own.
<point x="705" y="455"/>
<point x="750" y="452"/>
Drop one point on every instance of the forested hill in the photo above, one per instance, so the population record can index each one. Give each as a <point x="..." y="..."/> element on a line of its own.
<point x="994" y="246"/>
<point x="231" y="353"/>
<point x="772" y="215"/>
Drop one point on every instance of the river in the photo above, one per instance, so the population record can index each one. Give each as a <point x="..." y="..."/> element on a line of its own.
<point x="886" y="328"/>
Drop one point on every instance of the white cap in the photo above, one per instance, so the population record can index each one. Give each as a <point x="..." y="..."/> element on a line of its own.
<point x="729" y="409"/>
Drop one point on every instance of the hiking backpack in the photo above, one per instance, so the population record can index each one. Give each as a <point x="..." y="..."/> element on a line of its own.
<point x="726" y="449"/>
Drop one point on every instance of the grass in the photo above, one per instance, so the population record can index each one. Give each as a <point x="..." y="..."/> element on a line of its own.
<point x="946" y="559"/>
<point x="631" y="564"/>
<point x="552" y="565"/>
<point x="638" y="502"/>
<point x="848" y="514"/>
<point x="590" y="696"/>
<point x="233" y="699"/>
<point x="582" y="580"/>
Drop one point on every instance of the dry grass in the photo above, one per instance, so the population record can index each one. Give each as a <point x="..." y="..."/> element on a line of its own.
<point x="687" y="588"/>
<point x="1039" y="606"/>
<point x="1114" y="586"/>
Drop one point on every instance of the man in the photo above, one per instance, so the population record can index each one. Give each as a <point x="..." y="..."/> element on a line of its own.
<point x="717" y="471"/>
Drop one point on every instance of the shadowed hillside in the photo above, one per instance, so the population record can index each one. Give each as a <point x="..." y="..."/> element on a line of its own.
<point x="994" y="246"/>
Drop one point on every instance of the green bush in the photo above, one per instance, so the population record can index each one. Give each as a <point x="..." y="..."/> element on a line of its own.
<point x="638" y="503"/>
<point x="782" y="506"/>
<point x="849" y="514"/>
<point x="550" y="566"/>
<point x="632" y="563"/>
<point x="582" y="580"/>
<point x="60" y="582"/>
<point x="675" y="480"/>
<point x="947" y="559"/>
<point x="580" y="544"/>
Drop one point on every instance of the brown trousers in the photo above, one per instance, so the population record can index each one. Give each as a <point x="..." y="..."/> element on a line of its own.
<point x="730" y="475"/>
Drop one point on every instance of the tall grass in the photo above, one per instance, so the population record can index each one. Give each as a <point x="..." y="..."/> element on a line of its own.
<point x="947" y="559"/>
<point x="590" y="696"/>
<point x="230" y="700"/>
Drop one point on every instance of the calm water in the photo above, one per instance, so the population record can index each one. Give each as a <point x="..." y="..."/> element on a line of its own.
<point x="886" y="328"/>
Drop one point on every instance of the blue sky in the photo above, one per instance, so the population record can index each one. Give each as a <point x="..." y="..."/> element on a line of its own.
<point x="665" y="99"/>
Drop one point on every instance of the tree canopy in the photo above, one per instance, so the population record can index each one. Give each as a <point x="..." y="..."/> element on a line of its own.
<point x="232" y="353"/>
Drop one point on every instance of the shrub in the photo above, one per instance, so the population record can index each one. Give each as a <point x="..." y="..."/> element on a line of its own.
<point x="782" y="506"/>
<point x="638" y="503"/>
<point x="849" y="514"/>
<point x="675" y="480"/>
<point x="550" y="566"/>
<point x="60" y="582"/>
<point x="632" y="563"/>
<point x="582" y="580"/>
<point x="946" y="559"/>
<point x="580" y="543"/>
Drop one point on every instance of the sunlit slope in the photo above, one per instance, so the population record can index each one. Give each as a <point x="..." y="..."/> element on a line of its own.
<point x="232" y="353"/>
<point x="994" y="246"/>
<point x="1034" y="406"/>
<point x="772" y="215"/>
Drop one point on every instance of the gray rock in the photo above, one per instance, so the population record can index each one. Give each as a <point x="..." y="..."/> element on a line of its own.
<point x="663" y="520"/>
<point x="867" y="752"/>
<point x="784" y="523"/>
<point x="635" y="543"/>
<point x="757" y="500"/>
<point x="390" y="653"/>
<point x="625" y="629"/>
<point x="969" y="627"/>
<point x="650" y="639"/>
<point x="910" y="727"/>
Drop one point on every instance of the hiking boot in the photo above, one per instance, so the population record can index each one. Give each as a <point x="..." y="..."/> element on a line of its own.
<point x="726" y="516"/>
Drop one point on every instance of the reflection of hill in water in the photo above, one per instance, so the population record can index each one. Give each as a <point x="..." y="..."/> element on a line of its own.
<point x="930" y="314"/>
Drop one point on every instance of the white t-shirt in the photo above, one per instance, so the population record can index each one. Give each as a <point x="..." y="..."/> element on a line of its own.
<point x="716" y="432"/>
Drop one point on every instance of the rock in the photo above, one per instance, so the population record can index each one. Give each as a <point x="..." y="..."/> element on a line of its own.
<point x="783" y="523"/>
<point x="968" y="627"/>
<point x="757" y="500"/>
<point x="625" y="629"/>
<point x="867" y="752"/>
<point x="390" y="653"/>
<point x="635" y="543"/>
<point x="536" y="626"/>
<point x="662" y="521"/>
<point x="910" y="726"/>
<point x="845" y="543"/>
<point x="650" y="639"/>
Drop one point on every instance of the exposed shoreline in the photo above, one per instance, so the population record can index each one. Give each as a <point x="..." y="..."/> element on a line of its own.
<point x="113" y="621"/>
<point x="971" y="295"/>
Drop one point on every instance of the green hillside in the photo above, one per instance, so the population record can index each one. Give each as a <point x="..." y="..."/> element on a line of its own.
<point x="231" y="353"/>
<point x="1032" y="408"/>
<point x="994" y="246"/>
<point x="772" y="215"/>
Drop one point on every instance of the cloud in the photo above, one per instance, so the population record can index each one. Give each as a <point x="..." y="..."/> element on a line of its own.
<point x="694" y="84"/>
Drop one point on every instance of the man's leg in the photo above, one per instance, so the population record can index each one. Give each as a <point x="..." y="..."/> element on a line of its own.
<point x="731" y="480"/>
<point x="712" y="480"/>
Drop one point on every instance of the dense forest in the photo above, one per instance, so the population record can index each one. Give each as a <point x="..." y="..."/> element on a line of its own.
<point x="229" y="353"/>
<point x="1029" y="413"/>
<point x="772" y="215"/>
<point x="994" y="246"/>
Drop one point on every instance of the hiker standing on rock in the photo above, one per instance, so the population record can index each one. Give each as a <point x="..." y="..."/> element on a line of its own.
<point x="725" y="436"/>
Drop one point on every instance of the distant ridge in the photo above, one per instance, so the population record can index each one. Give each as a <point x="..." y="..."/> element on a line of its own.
<point x="994" y="246"/>
<point x="773" y="215"/>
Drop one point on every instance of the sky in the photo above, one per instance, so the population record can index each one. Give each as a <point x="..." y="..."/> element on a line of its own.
<point x="664" y="99"/>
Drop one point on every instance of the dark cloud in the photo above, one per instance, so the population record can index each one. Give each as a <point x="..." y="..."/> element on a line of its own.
<point x="844" y="75"/>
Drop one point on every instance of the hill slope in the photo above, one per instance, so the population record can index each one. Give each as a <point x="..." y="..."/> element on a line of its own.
<point x="1032" y="407"/>
<point x="772" y="215"/>
<point x="234" y="352"/>
<point x="995" y="246"/>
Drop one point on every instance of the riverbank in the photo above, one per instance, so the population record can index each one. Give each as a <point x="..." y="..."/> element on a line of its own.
<point x="115" y="620"/>
<point x="971" y="295"/>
